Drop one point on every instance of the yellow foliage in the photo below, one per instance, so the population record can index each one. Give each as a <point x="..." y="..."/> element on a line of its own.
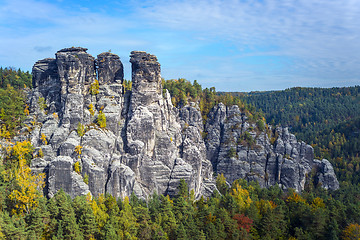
<point x="43" y="139"/>
<point x="4" y="133"/>
<point x="78" y="150"/>
<point x="352" y="232"/>
<point x="26" y="110"/>
<point x="91" y="109"/>
<point x="99" y="210"/>
<point x="318" y="203"/>
<point x="88" y="197"/>
<point x="27" y="185"/>
<point x="55" y="115"/>
<point x="168" y="199"/>
<point x="40" y="153"/>
<point x="77" y="167"/>
<point x="295" y="197"/>
<point x="94" y="87"/>
<point x="241" y="197"/>
<point x="264" y="206"/>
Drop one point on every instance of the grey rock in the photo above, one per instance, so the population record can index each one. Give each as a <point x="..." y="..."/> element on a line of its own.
<point x="285" y="163"/>
<point x="326" y="175"/>
<point x="148" y="145"/>
<point x="62" y="176"/>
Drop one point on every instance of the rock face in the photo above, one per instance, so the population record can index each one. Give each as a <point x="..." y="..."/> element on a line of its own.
<point x="143" y="147"/>
<point x="239" y="149"/>
<point x="147" y="145"/>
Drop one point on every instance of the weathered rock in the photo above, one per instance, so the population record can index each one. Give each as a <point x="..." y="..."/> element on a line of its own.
<point x="238" y="150"/>
<point x="141" y="150"/>
<point x="110" y="68"/>
<point x="326" y="175"/>
<point x="148" y="145"/>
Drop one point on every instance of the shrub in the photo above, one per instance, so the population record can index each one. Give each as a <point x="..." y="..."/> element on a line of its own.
<point x="80" y="129"/>
<point x="86" y="179"/>
<point x="42" y="104"/>
<point x="101" y="120"/>
<point x="43" y="139"/>
<point x="91" y="109"/>
<point x="232" y="153"/>
<point x="94" y="87"/>
<point x="260" y="125"/>
<point x="78" y="150"/>
<point x="40" y="153"/>
<point x="77" y="167"/>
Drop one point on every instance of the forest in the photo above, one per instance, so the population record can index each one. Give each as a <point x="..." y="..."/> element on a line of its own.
<point x="240" y="211"/>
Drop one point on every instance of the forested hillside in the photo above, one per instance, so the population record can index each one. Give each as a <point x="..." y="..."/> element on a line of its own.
<point x="241" y="211"/>
<point x="12" y="102"/>
<point x="326" y="118"/>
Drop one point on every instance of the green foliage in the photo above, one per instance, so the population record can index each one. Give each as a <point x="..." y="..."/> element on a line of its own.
<point x="246" y="139"/>
<point x="232" y="153"/>
<point x="12" y="105"/>
<point x="12" y="99"/>
<point x="245" y="211"/>
<point x="42" y="103"/>
<point x="260" y="125"/>
<point x="101" y="120"/>
<point x="86" y="178"/>
<point x="15" y="78"/>
<point x="127" y="85"/>
<point x="221" y="184"/>
<point x="80" y="129"/>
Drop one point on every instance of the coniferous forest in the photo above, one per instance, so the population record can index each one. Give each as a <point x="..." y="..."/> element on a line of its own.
<point x="326" y="118"/>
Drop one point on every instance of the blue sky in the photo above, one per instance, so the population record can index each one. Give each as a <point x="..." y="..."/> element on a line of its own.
<point x="234" y="45"/>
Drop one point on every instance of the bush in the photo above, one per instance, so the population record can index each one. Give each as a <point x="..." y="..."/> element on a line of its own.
<point x="80" y="130"/>
<point x="86" y="179"/>
<point x="260" y="125"/>
<point x="77" y="167"/>
<point x="101" y="120"/>
<point x="42" y="104"/>
<point x="94" y="87"/>
<point x="78" y="150"/>
<point x="232" y="153"/>
<point x="91" y="109"/>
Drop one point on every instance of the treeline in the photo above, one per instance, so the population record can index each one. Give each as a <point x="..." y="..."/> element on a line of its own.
<point x="242" y="211"/>
<point x="12" y="99"/>
<point x="182" y="91"/>
<point x="326" y="118"/>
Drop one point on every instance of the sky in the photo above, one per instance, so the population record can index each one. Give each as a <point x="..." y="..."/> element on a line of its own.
<point x="232" y="45"/>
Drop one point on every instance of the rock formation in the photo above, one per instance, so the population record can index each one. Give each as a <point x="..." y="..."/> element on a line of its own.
<point x="147" y="145"/>
<point x="238" y="149"/>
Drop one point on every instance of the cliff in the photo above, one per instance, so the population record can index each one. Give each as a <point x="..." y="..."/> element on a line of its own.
<point x="146" y="144"/>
